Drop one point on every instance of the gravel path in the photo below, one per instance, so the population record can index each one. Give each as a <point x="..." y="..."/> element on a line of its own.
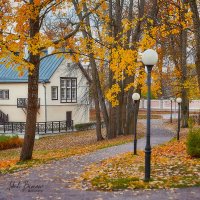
<point x="51" y="181"/>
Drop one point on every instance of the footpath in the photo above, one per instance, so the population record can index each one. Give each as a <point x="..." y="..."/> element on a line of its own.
<point x="52" y="180"/>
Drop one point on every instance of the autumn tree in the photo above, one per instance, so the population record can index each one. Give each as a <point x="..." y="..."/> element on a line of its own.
<point x="109" y="35"/>
<point x="25" y="24"/>
<point x="170" y="33"/>
<point x="114" y="34"/>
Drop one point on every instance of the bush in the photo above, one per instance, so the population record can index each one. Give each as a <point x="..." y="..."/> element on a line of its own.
<point x="8" y="142"/>
<point x="193" y="143"/>
<point x="85" y="126"/>
<point x="193" y="120"/>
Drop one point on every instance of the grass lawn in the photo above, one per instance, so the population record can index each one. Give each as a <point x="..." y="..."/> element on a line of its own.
<point x="4" y="138"/>
<point x="8" y="142"/>
<point x="60" y="146"/>
<point x="172" y="167"/>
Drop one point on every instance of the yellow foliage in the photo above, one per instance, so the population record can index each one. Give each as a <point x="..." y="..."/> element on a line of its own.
<point x="112" y="94"/>
<point x="111" y="52"/>
<point x="126" y="171"/>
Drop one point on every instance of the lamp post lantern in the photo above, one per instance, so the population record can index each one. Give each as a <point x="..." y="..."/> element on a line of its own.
<point x="171" y="100"/>
<point x="136" y="98"/>
<point x="149" y="58"/>
<point x="179" y="100"/>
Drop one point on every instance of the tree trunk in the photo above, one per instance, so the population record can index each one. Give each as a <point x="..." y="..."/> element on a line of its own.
<point x="112" y="124"/>
<point x="135" y="38"/>
<point x="130" y="116"/>
<point x="31" y="118"/>
<point x="95" y="78"/>
<point x="96" y="98"/>
<point x="124" y="111"/>
<point x="98" y="114"/>
<point x="196" y="22"/>
<point x="101" y="100"/>
<point x="117" y="35"/>
<point x="120" y="111"/>
<point x="184" y="91"/>
<point x="96" y="102"/>
<point x="184" y="109"/>
<point x="129" y="109"/>
<point x="112" y="110"/>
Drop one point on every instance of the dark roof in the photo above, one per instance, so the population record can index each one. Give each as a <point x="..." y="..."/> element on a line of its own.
<point x="48" y="66"/>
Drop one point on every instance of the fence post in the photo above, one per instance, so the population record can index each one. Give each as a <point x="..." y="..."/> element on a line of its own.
<point x="20" y="127"/>
<point x="59" y="126"/>
<point x="52" y="126"/>
<point x="12" y="126"/>
<point x="45" y="127"/>
<point x="72" y="125"/>
<point x="4" y="127"/>
<point x="38" y="128"/>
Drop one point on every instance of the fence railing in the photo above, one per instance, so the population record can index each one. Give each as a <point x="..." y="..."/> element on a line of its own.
<point x="41" y="127"/>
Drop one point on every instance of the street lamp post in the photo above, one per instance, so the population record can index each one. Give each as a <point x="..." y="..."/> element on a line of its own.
<point x="149" y="58"/>
<point x="171" y="100"/>
<point x="136" y="98"/>
<point x="179" y="100"/>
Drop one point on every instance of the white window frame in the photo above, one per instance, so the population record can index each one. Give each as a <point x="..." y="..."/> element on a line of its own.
<point x="4" y="94"/>
<point x="66" y="88"/>
<point x="54" y="92"/>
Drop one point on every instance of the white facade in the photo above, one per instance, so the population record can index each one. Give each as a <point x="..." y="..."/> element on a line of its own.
<point x="56" y="111"/>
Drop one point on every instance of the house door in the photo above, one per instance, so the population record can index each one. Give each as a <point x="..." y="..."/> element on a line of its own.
<point x="69" y="119"/>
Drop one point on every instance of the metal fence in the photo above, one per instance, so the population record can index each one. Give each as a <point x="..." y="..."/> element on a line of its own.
<point x="41" y="127"/>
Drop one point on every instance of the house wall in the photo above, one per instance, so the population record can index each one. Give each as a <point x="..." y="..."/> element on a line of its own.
<point x="56" y="111"/>
<point x="16" y="90"/>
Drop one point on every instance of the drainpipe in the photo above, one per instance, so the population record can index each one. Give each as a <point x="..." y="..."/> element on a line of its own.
<point x="45" y="98"/>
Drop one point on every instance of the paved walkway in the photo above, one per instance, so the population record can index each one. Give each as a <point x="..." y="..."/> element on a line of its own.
<point x="51" y="181"/>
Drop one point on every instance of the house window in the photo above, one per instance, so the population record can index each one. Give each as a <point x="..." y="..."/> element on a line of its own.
<point x="54" y="93"/>
<point x="4" y="94"/>
<point x="68" y="90"/>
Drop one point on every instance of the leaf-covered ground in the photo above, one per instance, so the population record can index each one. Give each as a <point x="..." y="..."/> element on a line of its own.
<point x="60" y="146"/>
<point x="171" y="168"/>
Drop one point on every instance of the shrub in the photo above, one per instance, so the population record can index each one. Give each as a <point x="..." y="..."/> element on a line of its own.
<point x="85" y="126"/>
<point x="191" y="121"/>
<point x="8" y="142"/>
<point x="193" y="142"/>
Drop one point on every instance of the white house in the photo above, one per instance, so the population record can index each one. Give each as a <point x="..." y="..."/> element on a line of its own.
<point x="61" y="83"/>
